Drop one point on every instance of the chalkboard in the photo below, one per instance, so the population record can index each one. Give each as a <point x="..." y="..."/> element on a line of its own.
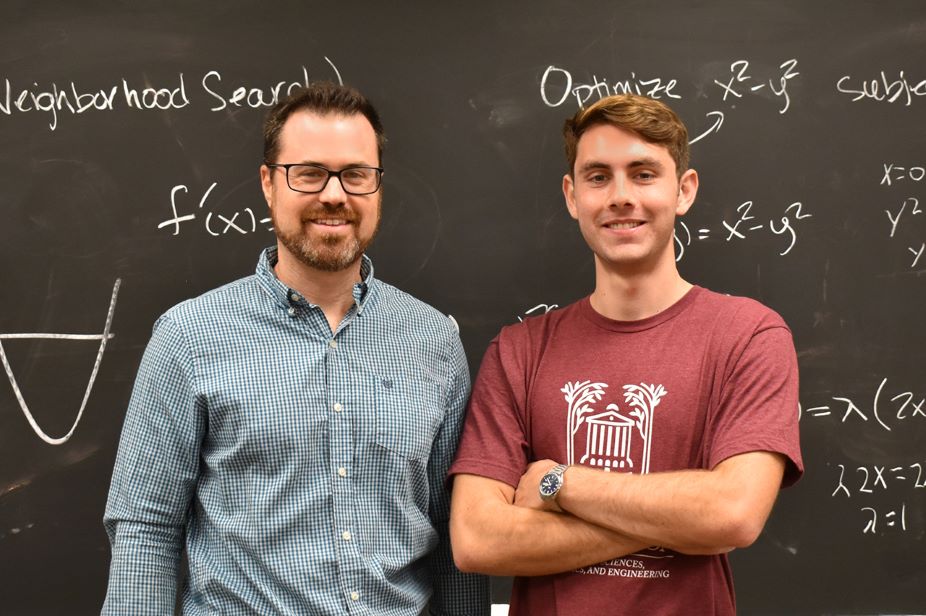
<point x="129" y="181"/>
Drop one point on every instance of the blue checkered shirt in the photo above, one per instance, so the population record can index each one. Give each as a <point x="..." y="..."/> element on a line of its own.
<point x="304" y="470"/>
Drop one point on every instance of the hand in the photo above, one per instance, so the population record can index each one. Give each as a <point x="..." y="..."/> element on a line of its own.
<point x="527" y="493"/>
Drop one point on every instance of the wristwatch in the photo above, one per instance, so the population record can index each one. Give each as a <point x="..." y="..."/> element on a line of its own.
<point x="552" y="482"/>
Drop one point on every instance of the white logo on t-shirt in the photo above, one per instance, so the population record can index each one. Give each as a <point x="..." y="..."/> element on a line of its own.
<point x="609" y="436"/>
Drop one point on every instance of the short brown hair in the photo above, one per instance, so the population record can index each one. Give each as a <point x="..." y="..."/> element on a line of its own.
<point x="323" y="98"/>
<point x="652" y="120"/>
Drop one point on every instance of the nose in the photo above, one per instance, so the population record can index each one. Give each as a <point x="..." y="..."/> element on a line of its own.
<point x="333" y="192"/>
<point x="621" y="192"/>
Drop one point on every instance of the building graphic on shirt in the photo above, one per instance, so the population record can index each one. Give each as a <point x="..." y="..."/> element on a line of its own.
<point x="609" y="436"/>
<point x="607" y="441"/>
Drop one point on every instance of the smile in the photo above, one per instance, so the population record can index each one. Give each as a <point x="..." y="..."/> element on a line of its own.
<point x="330" y="222"/>
<point x="624" y="225"/>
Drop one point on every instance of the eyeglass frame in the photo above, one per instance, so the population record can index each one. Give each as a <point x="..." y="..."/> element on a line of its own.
<point x="331" y="173"/>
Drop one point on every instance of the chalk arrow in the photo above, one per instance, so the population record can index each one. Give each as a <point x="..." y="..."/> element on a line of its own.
<point x="713" y="129"/>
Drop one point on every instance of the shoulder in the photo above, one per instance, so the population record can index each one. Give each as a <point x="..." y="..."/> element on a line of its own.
<point x="739" y="314"/>
<point x="742" y="330"/>
<point x="214" y="310"/>
<point x="403" y="314"/>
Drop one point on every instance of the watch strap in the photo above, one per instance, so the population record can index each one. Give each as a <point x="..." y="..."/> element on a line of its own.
<point x="557" y="470"/>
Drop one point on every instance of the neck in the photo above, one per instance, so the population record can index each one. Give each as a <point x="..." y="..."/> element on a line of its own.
<point x="333" y="292"/>
<point x="631" y="295"/>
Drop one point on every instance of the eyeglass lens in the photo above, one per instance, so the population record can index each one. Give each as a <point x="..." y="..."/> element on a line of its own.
<point x="312" y="178"/>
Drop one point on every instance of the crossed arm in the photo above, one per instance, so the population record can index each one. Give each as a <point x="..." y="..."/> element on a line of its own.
<point x="597" y="516"/>
<point x="490" y="534"/>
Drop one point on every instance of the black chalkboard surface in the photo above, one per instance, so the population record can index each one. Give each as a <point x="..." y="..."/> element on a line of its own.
<point x="128" y="182"/>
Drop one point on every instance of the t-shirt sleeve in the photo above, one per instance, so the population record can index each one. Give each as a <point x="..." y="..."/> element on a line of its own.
<point x="758" y="409"/>
<point x="494" y="442"/>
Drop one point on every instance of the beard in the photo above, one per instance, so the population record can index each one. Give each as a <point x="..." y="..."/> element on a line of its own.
<point x="330" y="252"/>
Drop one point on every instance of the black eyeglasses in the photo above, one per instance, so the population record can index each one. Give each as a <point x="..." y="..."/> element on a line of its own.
<point x="313" y="178"/>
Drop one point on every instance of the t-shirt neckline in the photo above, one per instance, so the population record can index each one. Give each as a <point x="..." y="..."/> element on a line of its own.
<point x="587" y="311"/>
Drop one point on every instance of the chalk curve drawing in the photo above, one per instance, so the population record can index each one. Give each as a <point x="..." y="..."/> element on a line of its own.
<point x="103" y="338"/>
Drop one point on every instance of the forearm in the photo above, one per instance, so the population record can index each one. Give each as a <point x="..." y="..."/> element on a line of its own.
<point x="495" y="537"/>
<point x="154" y="478"/>
<point x="143" y="575"/>
<point x="674" y="510"/>
<point x="692" y="511"/>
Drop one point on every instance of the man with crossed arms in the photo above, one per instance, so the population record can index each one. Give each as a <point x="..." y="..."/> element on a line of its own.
<point x="615" y="450"/>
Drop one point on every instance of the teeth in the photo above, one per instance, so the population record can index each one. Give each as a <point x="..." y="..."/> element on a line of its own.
<point x="333" y="222"/>
<point x="624" y="225"/>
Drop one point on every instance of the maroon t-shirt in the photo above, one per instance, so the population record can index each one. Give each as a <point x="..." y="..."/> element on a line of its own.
<point x="711" y="377"/>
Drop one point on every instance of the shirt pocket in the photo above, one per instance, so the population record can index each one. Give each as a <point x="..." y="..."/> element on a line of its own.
<point x="409" y="412"/>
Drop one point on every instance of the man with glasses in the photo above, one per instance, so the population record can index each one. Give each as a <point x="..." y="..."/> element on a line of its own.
<point x="294" y="428"/>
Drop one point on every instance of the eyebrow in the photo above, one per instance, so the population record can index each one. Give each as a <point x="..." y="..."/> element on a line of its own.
<point x="347" y="166"/>
<point x="646" y="161"/>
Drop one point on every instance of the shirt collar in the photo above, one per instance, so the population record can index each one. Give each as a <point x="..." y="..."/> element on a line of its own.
<point x="285" y="296"/>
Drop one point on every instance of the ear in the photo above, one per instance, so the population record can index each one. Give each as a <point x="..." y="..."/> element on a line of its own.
<point x="569" y="192"/>
<point x="687" y="191"/>
<point x="266" y="184"/>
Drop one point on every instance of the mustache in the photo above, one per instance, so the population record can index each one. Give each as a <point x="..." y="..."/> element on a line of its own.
<point x="315" y="213"/>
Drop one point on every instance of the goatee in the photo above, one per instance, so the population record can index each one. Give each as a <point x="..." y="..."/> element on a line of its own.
<point x="329" y="253"/>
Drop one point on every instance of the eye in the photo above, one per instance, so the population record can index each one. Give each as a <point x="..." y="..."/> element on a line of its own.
<point x="646" y="176"/>
<point x="356" y="175"/>
<point x="307" y="172"/>
<point x="596" y="179"/>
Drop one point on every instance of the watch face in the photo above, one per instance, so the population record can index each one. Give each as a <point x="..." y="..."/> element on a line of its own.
<point x="549" y="484"/>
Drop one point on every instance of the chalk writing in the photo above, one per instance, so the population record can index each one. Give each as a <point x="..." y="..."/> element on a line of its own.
<point x="715" y="127"/>
<point x="740" y="81"/>
<point x="908" y="211"/>
<point x="539" y="309"/>
<point x="885" y="409"/>
<point x="557" y="85"/>
<point x="914" y="209"/>
<point x="882" y="89"/>
<point x="897" y="173"/>
<point x="255" y="97"/>
<point x="917" y="253"/>
<point x="103" y="338"/>
<point x="876" y="478"/>
<point x="911" y="207"/>
<point x="744" y="225"/>
<point x="890" y="518"/>
<point x="70" y="98"/>
<point x="870" y="480"/>
<point x="215" y="224"/>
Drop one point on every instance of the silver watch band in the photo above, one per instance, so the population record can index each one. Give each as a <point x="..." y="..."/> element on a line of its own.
<point x="558" y="471"/>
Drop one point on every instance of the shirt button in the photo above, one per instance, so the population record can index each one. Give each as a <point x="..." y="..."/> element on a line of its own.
<point x="295" y="297"/>
<point x="342" y="472"/>
<point x="355" y="596"/>
<point x="333" y="344"/>
<point x="291" y="311"/>
<point x="345" y="535"/>
<point x="337" y="407"/>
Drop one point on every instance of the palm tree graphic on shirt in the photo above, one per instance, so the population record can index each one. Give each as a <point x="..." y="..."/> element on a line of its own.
<point x="608" y="435"/>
